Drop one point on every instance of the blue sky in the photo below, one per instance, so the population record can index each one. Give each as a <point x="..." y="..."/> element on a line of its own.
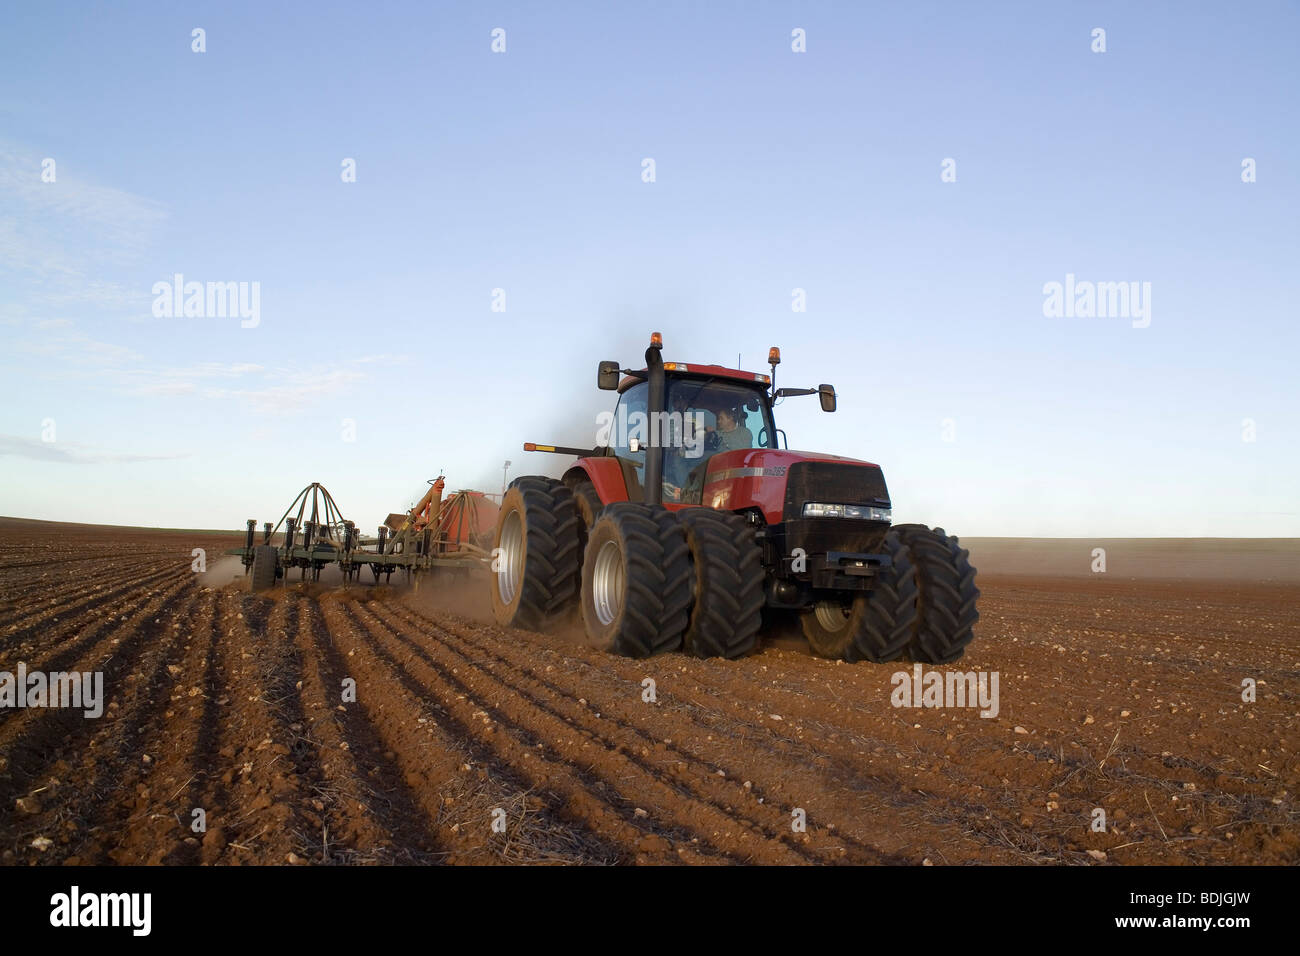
<point x="774" y="170"/>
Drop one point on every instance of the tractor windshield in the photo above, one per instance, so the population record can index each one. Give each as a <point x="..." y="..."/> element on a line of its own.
<point x="707" y="416"/>
<point x="703" y="416"/>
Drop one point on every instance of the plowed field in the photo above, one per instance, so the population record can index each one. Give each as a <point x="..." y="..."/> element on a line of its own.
<point x="469" y="743"/>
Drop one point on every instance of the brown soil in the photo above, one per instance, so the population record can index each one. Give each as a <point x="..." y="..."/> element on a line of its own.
<point x="1117" y="691"/>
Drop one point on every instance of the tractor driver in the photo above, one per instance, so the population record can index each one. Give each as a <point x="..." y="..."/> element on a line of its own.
<point x="728" y="436"/>
<point x="732" y="434"/>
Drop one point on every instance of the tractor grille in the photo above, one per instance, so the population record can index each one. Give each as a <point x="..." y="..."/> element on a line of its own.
<point x="833" y="483"/>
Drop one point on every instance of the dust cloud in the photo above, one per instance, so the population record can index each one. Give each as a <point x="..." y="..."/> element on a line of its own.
<point x="225" y="570"/>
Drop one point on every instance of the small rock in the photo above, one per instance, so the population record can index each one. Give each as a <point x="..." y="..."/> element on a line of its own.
<point x="1088" y="719"/>
<point x="640" y="813"/>
<point x="1098" y="855"/>
<point x="293" y="859"/>
<point x="1124" y="713"/>
<point x="1021" y="730"/>
<point x="27" y="805"/>
<point x="42" y="843"/>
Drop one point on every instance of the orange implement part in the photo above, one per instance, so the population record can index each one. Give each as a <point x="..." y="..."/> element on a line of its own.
<point x="429" y="505"/>
<point x="467" y="517"/>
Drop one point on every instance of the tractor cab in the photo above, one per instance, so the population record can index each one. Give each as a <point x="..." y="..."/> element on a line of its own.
<point x="707" y="410"/>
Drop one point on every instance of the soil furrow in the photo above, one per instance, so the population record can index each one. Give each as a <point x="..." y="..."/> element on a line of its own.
<point x="662" y="796"/>
<point x="104" y="757"/>
<point x="460" y="780"/>
<point x="388" y="825"/>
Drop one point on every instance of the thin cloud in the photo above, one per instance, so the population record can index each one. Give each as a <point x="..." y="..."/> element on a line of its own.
<point x="70" y="453"/>
<point x="59" y="236"/>
<point x="268" y="390"/>
<point x="114" y="213"/>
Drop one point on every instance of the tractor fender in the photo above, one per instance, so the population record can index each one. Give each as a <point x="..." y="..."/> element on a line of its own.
<point x="606" y="474"/>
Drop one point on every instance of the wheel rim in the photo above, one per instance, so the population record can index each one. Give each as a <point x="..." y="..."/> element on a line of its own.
<point x="607" y="583"/>
<point x="832" y="615"/>
<point x="511" y="557"/>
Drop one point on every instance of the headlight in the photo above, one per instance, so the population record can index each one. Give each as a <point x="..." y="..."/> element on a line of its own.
<point x="817" y="509"/>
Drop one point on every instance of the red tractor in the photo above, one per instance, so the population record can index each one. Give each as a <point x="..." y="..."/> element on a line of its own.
<point x="690" y="516"/>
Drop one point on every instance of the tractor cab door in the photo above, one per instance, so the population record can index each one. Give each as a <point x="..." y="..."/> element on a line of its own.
<point x="631" y="427"/>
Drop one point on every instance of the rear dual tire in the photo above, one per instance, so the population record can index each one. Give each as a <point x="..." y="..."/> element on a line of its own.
<point x="727" y="570"/>
<point x="636" y="581"/>
<point x="655" y="581"/>
<point x="535" y="553"/>
<point x="651" y="580"/>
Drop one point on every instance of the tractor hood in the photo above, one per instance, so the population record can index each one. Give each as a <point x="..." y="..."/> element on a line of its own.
<point x="780" y="482"/>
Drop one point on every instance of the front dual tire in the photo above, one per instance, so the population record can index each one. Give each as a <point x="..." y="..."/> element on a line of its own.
<point x="923" y="605"/>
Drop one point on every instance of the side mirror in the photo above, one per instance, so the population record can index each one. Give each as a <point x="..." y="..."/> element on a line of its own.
<point x="607" y="377"/>
<point x="826" y="393"/>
